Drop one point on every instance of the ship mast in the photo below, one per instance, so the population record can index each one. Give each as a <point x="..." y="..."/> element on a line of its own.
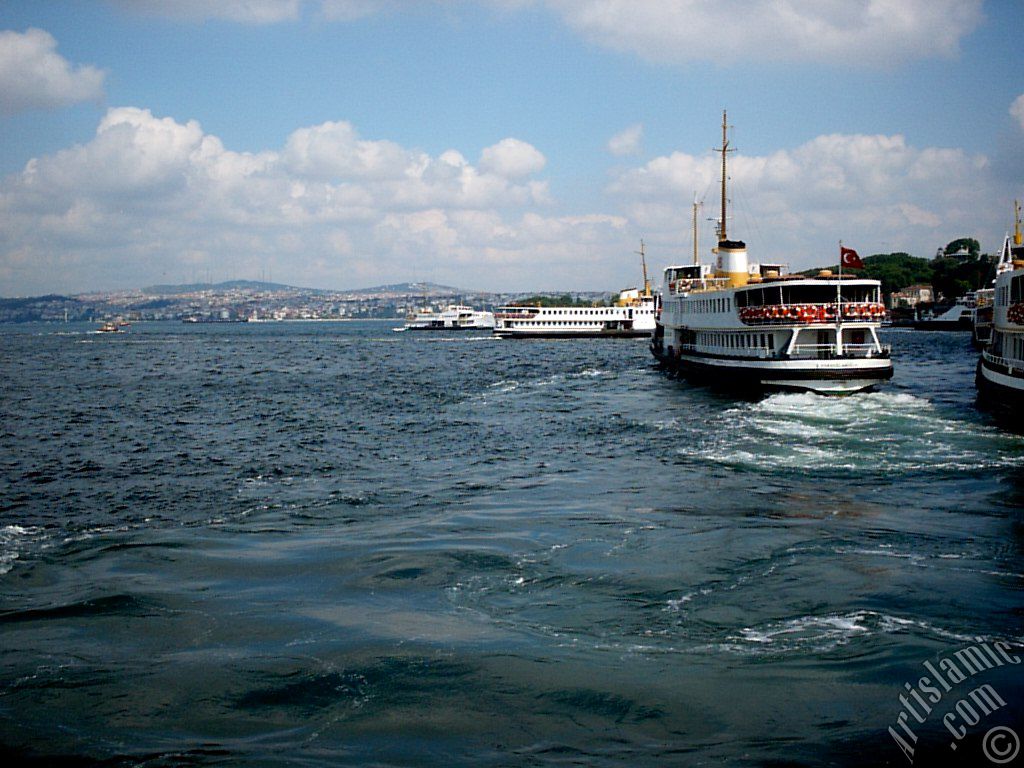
<point x="643" y="263"/>
<point x="1016" y="223"/>
<point x="696" y="205"/>
<point x="724" y="149"/>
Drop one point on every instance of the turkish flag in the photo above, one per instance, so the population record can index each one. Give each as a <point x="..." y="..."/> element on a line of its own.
<point x="850" y="258"/>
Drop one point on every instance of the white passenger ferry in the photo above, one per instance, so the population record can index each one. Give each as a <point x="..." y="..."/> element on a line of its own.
<point x="746" y="325"/>
<point x="453" y="318"/>
<point x="1000" y="375"/>
<point x="631" y="316"/>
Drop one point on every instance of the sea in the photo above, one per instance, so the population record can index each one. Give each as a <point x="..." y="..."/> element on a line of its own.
<point x="328" y="543"/>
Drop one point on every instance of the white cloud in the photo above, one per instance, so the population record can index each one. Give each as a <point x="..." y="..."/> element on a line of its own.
<point x="350" y="10"/>
<point x="627" y="142"/>
<point x="242" y="11"/>
<point x="34" y="76"/>
<point x="334" y="151"/>
<point x="1017" y="110"/>
<point x="842" y="32"/>
<point x="793" y="205"/>
<point x="150" y="198"/>
<point x="512" y="158"/>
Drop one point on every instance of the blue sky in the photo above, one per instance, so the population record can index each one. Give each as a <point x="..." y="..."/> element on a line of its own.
<point x="492" y="144"/>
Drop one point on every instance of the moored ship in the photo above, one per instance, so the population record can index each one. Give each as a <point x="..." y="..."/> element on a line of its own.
<point x="959" y="317"/>
<point x="453" y="318"/>
<point x="742" y="325"/>
<point x="632" y="316"/>
<point x="1000" y="373"/>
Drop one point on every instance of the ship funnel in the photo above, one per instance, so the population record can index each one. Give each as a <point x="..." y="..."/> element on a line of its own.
<point x="732" y="262"/>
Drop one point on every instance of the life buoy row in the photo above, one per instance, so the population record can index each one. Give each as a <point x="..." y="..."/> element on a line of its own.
<point x="680" y="286"/>
<point x="1015" y="314"/>
<point x="810" y="313"/>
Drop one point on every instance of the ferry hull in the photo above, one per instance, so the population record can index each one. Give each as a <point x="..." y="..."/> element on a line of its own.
<point x="437" y="329"/>
<point x="832" y="377"/>
<point x="555" y="334"/>
<point x="1001" y="391"/>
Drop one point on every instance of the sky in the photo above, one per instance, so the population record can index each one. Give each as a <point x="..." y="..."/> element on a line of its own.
<point x="501" y="145"/>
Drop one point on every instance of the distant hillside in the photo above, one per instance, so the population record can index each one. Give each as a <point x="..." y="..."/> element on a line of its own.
<point x="50" y="307"/>
<point x="230" y="285"/>
<point x="256" y="286"/>
<point x="417" y="288"/>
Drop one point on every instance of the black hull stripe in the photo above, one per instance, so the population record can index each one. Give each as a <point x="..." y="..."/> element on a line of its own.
<point x="769" y="374"/>
<point x="1005" y="403"/>
<point x="580" y="335"/>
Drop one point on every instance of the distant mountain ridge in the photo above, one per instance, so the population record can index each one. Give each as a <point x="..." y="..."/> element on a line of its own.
<point x="265" y="287"/>
<point x="229" y="285"/>
<point x="414" y="288"/>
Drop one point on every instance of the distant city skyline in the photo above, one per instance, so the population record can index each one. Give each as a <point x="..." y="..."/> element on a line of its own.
<point x="503" y="145"/>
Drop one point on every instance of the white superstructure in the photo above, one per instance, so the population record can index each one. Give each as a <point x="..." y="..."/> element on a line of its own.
<point x="740" y="324"/>
<point x="453" y="318"/>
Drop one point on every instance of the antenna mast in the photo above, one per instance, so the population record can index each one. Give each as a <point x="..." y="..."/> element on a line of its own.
<point x="643" y="263"/>
<point x="724" y="149"/>
<point x="1016" y="223"/>
<point x="696" y="205"/>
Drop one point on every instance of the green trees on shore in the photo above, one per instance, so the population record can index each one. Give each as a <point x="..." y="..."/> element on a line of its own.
<point x="565" y="300"/>
<point x="958" y="268"/>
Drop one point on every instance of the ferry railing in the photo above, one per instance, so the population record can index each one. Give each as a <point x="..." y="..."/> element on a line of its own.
<point x="1012" y="363"/>
<point x="758" y="352"/>
<point x="828" y="351"/>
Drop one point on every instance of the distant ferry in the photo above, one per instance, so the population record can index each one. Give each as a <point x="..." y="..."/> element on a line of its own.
<point x="453" y="318"/>
<point x="632" y="316"/>
<point x="1000" y="374"/>
<point x="959" y="317"/>
<point x="748" y="325"/>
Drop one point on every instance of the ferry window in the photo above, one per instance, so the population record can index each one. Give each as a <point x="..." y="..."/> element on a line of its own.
<point x="858" y="293"/>
<point x="1016" y="295"/>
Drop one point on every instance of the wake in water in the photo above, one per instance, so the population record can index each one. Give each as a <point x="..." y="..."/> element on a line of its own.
<point x="877" y="432"/>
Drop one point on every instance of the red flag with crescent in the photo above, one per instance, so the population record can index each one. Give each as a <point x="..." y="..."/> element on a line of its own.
<point x="850" y="258"/>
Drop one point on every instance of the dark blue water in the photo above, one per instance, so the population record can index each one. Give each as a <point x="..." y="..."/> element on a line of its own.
<point x="331" y="544"/>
